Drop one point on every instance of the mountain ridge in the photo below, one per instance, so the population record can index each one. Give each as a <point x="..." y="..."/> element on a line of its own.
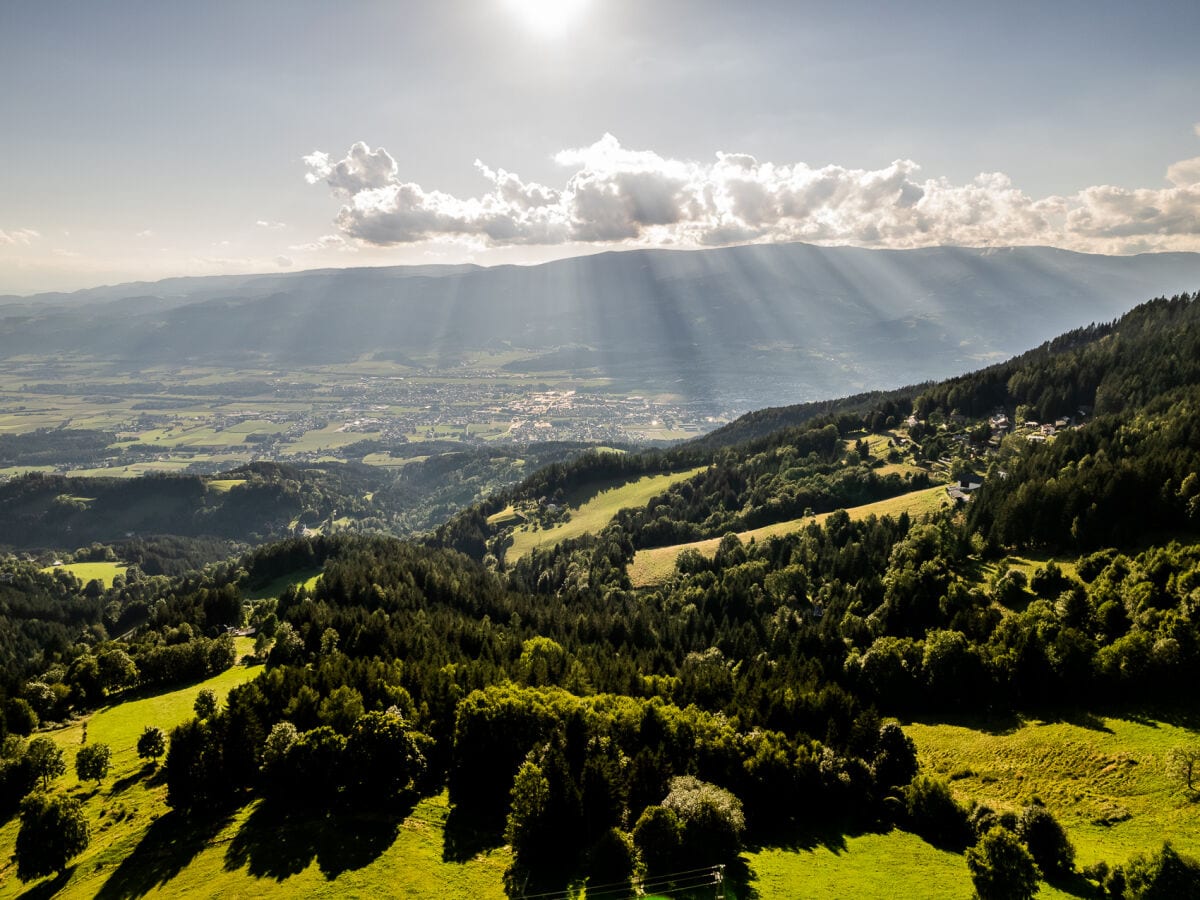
<point x="738" y="327"/>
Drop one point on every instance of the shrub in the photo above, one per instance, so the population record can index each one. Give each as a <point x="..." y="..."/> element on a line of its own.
<point x="658" y="835"/>
<point x="712" y="820"/>
<point x="1164" y="875"/>
<point x="934" y="814"/>
<point x="1001" y="867"/>
<point x="1046" y="840"/>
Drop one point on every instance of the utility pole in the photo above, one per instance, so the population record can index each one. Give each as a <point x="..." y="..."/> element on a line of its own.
<point x="719" y="882"/>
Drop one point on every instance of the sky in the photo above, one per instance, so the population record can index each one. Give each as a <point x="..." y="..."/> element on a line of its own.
<point x="142" y="139"/>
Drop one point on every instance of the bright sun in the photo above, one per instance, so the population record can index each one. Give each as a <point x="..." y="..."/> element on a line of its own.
<point x="547" y="18"/>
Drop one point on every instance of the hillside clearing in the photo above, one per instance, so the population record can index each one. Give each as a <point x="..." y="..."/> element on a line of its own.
<point x="597" y="510"/>
<point x="104" y="572"/>
<point x="306" y="578"/>
<point x="1105" y="779"/>
<point x="655" y="565"/>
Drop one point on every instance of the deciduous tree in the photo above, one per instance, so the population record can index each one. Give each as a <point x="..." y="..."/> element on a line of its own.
<point x="53" y="830"/>
<point x="92" y="762"/>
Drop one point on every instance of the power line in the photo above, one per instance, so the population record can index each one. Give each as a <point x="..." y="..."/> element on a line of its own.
<point x="666" y="884"/>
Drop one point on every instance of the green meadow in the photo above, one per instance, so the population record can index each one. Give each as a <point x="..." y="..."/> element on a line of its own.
<point x="656" y="565"/>
<point x="865" y="867"/>
<point x="592" y="511"/>
<point x="1105" y="779"/>
<point x="304" y="577"/>
<point x="105" y="572"/>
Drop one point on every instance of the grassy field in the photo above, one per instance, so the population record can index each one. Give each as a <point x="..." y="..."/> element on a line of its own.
<point x="1030" y="563"/>
<point x="506" y="516"/>
<point x="593" y="512"/>
<point x="1105" y="779"/>
<point x="139" y="847"/>
<point x="90" y="571"/>
<point x="867" y="867"/>
<point x="224" y="485"/>
<point x="306" y="577"/>
<point x="1085" y="771"/>
<point x="656" y="565"/>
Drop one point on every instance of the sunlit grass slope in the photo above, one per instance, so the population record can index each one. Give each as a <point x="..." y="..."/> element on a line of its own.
<point x="867" y="867"/>
<point x="656" y="565"/>
<point x="597" y="510"/>
<point x="1105" y="779"/>
<point x="89" y="571"/>
<point x="303" y="577"/>
<point x="139" y="847"/>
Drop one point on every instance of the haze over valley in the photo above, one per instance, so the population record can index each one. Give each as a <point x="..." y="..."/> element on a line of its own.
<point x="209" y="373"/>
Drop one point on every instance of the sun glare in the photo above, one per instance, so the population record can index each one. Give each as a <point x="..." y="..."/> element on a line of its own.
<point x="547" y="18"/>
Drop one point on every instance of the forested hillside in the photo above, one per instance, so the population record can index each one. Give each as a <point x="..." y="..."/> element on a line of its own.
<point x="257" y="502"/>
<point x="609" y="734"/>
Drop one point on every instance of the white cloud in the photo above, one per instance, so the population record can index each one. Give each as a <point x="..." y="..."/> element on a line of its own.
<point x="615" y="195"/>
<point x="21" y="237"/>
<point x="272" y="226"/>
<point x="145" y="234"/>
<point x="325" y="242"/>
<point x="283" y="261"/>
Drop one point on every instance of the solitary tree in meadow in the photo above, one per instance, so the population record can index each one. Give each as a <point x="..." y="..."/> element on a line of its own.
<point x="1183" y="763"/>
<point x="53" y="830"/>
<point x="45" y="760"/>
<point x="152" y="743"/>
<point x="92" y="762"/>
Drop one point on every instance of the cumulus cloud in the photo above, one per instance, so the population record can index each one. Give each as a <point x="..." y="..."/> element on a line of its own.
<point x="271" y="226"/>
<point x="283" y="261"/>
<point x="615" y="195"/>
<point x="21" y="237"/>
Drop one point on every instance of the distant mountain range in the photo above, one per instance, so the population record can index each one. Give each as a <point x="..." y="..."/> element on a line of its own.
<point x="742" y="327"/>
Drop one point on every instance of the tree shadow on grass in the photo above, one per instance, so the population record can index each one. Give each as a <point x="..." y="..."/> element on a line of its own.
<point x="123" y="784"/>
<point x="738" y="876"/>
<point x="831" y="836"/>
<point x="166" y="849"/>
<point x="465" y="837"/>
<point x="1000" y="723"/>
<point x="277" y="842"/>
<point x="1075" y="885"/>
<point x="992" y="723"/>
<point x="43" y="890"/>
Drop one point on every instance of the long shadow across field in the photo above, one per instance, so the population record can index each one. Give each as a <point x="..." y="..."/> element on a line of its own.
<point x="1002" y="723"/>
<point x="168" y="846"/>
<point x="123" y="784"/>
<point x="463" y="836"/>
<point x="44" y="890"/>
<point x="276" y="842"/>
